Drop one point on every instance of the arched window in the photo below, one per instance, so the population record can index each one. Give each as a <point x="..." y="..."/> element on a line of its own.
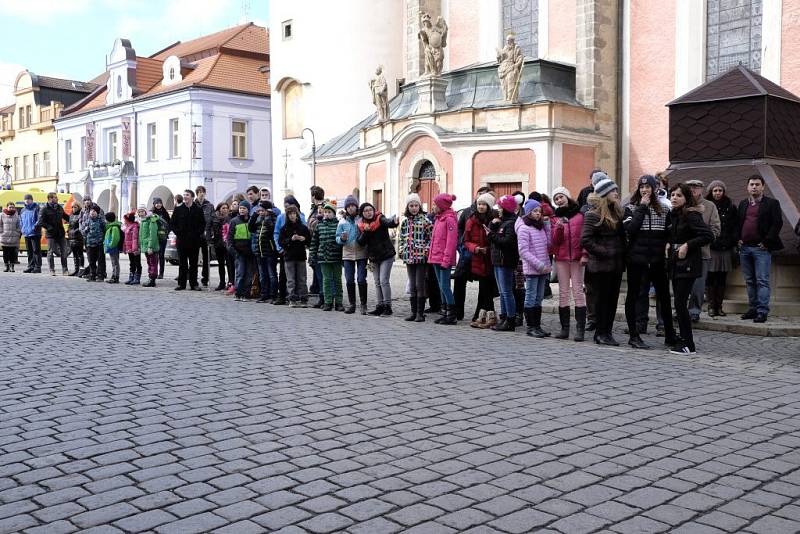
<point x="293" y="110"/>
<point x="172" y="73"/>
<point x="427" y="171"/>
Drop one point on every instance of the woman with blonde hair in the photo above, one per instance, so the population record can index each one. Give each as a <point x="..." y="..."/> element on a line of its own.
<point x="603" y="238"/>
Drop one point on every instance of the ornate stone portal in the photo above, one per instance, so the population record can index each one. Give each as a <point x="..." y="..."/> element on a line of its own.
<point x="510" y="60"/>
<point x="380" y="94"/>
<point x="434" y="40"/>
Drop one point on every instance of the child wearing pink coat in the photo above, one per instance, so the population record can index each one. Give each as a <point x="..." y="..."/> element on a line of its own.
<point x="442" y="255"/>
<point x="130" y="246"/>
<point x="533" y="241"/>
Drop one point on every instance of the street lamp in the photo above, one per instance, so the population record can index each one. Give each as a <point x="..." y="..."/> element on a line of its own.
<point x="313" y="155"/>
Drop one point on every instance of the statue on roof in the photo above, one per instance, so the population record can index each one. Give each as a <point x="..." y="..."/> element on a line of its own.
<point x="380" y="94"/>
<point x="434" y="40"/>
<point x="509" y="68"/>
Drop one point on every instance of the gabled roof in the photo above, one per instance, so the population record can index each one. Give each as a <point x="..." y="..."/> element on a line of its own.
<point x="227" y="60"/>
<point x="739" y="82"/>
<point x="7" y="109"/>
<point x="66" y="85"/>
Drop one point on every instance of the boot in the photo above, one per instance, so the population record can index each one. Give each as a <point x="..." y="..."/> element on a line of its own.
<point x="637" y="343"/>
<point x="534" y="319"/>
<point x="339" y="307"/>
<point x="563" y="316"/>
<point x="377" y="311"/>
<point x="413" y="315"/>
<point x="580" y="323"/>
<point x="720" y="298"/>
<point x="12" y="268"/>
<point x="387" y="310"/>
<point x="520" y="318"/>
<point x="351" y="298"/>
<point x="112" y="280"/>
<point x="506" y="325"/>
<point x="137" y="279"/>
<point x="480" y="321"/>
<point x="327" y="307"/>
<point x="451" y="317"/>
<point x="130" y="279"/>
<point x="442" y="317"/>
<point x="420" y="310"/>
<point x="8" y="268"/>
<point x="150" y="283"/>
<point x="362" y="297"/>
<point x="491" y="320"/>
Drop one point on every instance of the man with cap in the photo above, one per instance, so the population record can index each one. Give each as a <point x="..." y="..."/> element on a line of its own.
<point x="32" y="232"/>
<point x="711" y="218"/>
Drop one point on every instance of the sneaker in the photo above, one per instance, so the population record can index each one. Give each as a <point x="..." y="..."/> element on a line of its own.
<point x="684" y="350"/>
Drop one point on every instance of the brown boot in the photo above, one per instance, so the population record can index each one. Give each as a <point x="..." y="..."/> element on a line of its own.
<point x="491" y="320"/>
<point x="480" y="321"/>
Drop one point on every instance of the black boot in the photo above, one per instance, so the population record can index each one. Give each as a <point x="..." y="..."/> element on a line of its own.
<point x="351" y="298"/>
<point x="8" y="268"/>
<point x="387" y="310"/>
<point x="563" y="316"/>
<point x="377" y="311"/>
<point x="443" y="315"/>
<point x="506" y="325"/>
<point x="414" y="303"/>
<point x="580" y="323"/>
<point x="451" y="317"/>
<point x="420" y="310"/>
<point x="637" y="343"/>
<point x="362" y="298"/>
<point x="534" y="319"/>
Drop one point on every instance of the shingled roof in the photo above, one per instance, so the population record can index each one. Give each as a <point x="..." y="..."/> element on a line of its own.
<point x="739" y="82"/>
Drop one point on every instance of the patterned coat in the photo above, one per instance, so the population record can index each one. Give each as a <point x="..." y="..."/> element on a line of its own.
<point x="415" y="239"/>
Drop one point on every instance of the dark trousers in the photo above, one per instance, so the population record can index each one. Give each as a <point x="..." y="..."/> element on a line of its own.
<point x="206" y="267"/>
<point x="33" y="247"/>
<point x="605" y="295"/>
<point x="417" y="274"/>
<point x="93" y="254"/>
<point x="77" y="255"/>
<point x="591" y="316"/>
<point x="10" y="255"/>
<point x="267" y="279"/>
<point x="135" y="266"/>
<point x="281" y="277"/>
<point x="101" y="262"/>
<point x="222" y="264"/>
<point x="316" y="280"/>
<point x="487" y="288"/>
<point x="460" y="295"/>
<point x="162" y="247"/>
<point x="682" y="288"/>
<point x="432" y="286"/>
<point x="639" y="279"/>
<point x="188" y="257"/>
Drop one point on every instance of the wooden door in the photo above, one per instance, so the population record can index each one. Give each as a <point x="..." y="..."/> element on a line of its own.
<point x="428" y="189"/>
<point x="377" y="199"/>
<point x="505" y="188"/>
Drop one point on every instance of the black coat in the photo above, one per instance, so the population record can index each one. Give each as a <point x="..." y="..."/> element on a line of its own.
<point x="189" y="225"/>
<point x="74" y="230"/>
<point x="208" y="213"/>
<point x="647" y="234"/>
<point x="729" y="225"/>
<point x="687" y="226"/>
<point x="379" y="244"/>
<point x="770" y="222"/>
<point x="604" y="244"/>
<point x="164" y="214"/>
<point x="294" y="250"/>
<point x="52" y="219"/>
<point x="263" y="228"/>
<point x="503" y="242"/>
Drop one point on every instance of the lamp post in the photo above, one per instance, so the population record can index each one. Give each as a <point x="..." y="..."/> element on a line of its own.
<point x="313" y="155"/>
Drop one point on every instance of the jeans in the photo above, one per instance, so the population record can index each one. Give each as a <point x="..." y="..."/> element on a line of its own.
<point x="756" y="264"/>
<point x="416" y="279"/>
<point x="443" y="277"/>
<point x="267" y="277"/>
<point x="639" y="279"/>
<point x="187" y="270"/>
<point x="605" y="294"/>
<point x="332" y="283"/>
<point x="296" y="275"/>
<point x="383" y="288"/>
<point x="162" y="247"/>
<point x="505" y="286"/>
<point x="114" y="255"/>
<point x="59" y="243"/>
<point x="355" y="271"/>
<point x="698" y="291"/>
<point x="682" y="287"/>
<point x="135" y="266"/>
<point x="570" y="275"/>
<point x="205" y="274"/>
<point x="243" y="274"/>
<point x="432" y="286"/>
<point x="534" y="290"/>
<point x="93" y="254"/>
<point x="33" y="247"/>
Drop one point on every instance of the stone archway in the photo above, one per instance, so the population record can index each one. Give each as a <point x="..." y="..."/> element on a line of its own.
<point x="166" y="196"/>
<point x="104" y="200"/>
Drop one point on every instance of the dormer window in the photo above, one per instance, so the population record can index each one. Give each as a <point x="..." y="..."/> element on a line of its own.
<point x="171" y="71"/>
<point x="171" y="74"/>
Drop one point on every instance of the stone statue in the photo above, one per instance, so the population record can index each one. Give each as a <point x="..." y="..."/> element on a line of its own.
<point x="380" y="94"/>
<point x="510" y="59"/>
<point x="434" y="39"/>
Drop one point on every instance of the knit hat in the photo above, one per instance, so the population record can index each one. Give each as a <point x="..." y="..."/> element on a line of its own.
<point x="561" y="191"/>
<point x="289" y="199"/>
<point x="244" y="204"/>
<point x="413" y="197"/>
<point x="444" y="201"/>
<point x="329" y="206"/>
<point x="488" y="199"/>
<point x="694" y="183"/>
<point x="604" y="187"/>
<point x="129" y="217"/>
<point x="28" y="196"/>
<point x="650" y="180"/>
<point x="598" y="176"/>
<point x="156" y="200"/>
<point x="508" y="203"/>
<point x="519" y="198"/>
<point x="141" y="207"/>
<point x="716" y="183"/>
<point x="530" y="205"/>
<point x="350" y="200"/>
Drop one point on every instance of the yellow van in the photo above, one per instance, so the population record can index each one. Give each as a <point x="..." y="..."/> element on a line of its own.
<point x="17" y="196"/>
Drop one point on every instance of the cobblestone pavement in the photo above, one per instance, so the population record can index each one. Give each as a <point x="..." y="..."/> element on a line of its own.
<point x="138" y="410"/>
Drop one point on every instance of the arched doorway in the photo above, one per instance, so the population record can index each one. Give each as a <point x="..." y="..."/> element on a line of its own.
<point x="427" y="185"/>
<point x="104" y="199"/>
<point x="166" y="196"/>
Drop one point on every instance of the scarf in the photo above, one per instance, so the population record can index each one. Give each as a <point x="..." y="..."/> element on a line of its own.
<point x="370" y="226"/>
<point x="538" y="224"/>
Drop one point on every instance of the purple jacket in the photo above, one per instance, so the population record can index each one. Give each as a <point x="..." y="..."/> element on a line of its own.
<point x="533" y="245"/>
<point x="444" y="240"/>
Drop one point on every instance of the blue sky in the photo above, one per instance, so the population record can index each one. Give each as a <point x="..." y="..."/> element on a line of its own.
<point x="71" y="38"/>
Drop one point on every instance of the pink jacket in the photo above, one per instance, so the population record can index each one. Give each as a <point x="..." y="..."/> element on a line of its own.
<point x="131" y="242"/>
<point x="533" y="244"/>
<point x="566" y="242"/>
<point x="444" y="239"/>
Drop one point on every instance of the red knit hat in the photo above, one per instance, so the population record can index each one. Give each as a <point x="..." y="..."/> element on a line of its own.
<point x="444" y="201"/>
<point x="508" y="203"/>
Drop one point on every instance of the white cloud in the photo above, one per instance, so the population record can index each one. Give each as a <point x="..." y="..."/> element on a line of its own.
<point x="42" y="12"/>
<point x="8" y="75"/>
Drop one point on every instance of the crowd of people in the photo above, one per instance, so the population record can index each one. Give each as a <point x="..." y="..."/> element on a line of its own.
<point x="685" y="236"/>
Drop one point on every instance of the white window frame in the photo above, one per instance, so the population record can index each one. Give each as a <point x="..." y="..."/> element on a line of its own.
<point x="68" y="155"/>
<point x="26" y="167"/>
<point x="239" y="140"/>
<point x="37" y="165"/>
<point x="113" y="144"/>
<point x="284" y="25"/>
<point x="174" y="138"/>
<point x="152" y="142"/>
<point x="83" y="153"/>
<point x="46" y="163"/>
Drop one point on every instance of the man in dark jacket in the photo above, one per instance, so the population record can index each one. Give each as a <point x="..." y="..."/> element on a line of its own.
<point x="32" y="232"/>
<point x="208" y="214"/>
<point x="189" y="225"/>
<point x="760" y="223"/>
<point x="52" y="219"/>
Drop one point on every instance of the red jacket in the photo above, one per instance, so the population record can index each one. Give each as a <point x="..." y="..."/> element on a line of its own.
<point x="475" y="236"/>
<point x="444" y="240"/>
<point x="566" y="242"/>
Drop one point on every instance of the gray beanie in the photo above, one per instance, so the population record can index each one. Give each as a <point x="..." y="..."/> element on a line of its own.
<point x="599" y="175"/>
<point x="604" y="187"/>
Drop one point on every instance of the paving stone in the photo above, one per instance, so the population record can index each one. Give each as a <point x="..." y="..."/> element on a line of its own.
<point x="522" y="521"/>
<point x="102" y="516"/>
<point x="145" y="521"/>
<point x="580" y="523"/>
<point x="461" y="520"/>
<point x="379" y="525"/>
<point x="193" y="525"/>
<point x="414" y="514"/>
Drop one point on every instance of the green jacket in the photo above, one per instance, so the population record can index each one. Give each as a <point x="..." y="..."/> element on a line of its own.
<point x="324" y="248"/>
<point x="114" y="238"/>
<point x="148" y="233"/>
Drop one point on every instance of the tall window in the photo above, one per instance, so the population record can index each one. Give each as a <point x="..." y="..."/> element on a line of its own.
<point x="28" y="116"/>
<point x="17" y="170"/>
<point x="21" y="114"/>
<point x="112" y="147"/>
<point x="239" y="138"/>
<point x="293" y="111"/>
<point x="152" y="153"/>
<point x="37" y="170"/>
<point x="68" y="155"/>
<point x="26" y="166"/>
<point x="733" y="35"/>
<point x="83" y="153"/>
<point x="46" y="164"/>
<point x="522" y="18"/>
<point x="174" y="137"/>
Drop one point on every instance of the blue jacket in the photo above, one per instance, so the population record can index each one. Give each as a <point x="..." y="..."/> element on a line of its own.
<point x="95" y="232"/>
<point x="279" y="224"/>
<point x="28" y="219"/>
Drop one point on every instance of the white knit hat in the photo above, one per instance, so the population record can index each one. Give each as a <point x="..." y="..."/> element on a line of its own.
<point x="413" y="197"/>
<point x="487" y="198"/>
<point x="519" y="198"/>
<point x="561" y="191"/>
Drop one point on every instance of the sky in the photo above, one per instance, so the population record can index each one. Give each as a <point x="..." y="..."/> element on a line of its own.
<point x="71" y="38"/>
